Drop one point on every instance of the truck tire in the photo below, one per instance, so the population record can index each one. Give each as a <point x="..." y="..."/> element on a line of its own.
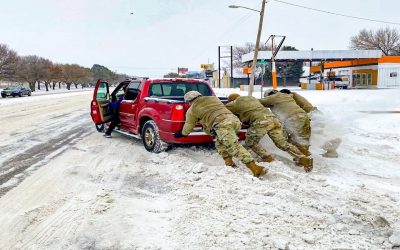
<point x="151" y="138"/>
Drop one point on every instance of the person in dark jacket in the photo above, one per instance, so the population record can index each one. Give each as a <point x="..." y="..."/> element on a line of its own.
<point x="114" y="107"/>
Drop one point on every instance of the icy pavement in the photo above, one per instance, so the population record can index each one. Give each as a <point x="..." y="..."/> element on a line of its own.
<point x="112" y="194"/>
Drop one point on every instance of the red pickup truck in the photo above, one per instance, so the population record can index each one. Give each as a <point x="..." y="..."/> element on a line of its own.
<point x="152" y="110"/>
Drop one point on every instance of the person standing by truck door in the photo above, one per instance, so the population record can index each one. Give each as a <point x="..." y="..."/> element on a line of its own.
<point x="218" y="121"/>
<point x="114" y="106"/>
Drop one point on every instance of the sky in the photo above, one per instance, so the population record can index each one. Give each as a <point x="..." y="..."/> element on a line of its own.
<point x="162" y="35"/>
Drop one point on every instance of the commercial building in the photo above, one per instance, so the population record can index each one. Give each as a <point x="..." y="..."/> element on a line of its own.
<point x="361" y="68"/>
<point x="383" y="72"/>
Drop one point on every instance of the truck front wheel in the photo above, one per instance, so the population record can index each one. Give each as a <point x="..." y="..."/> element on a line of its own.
<point x="151" y="138"/>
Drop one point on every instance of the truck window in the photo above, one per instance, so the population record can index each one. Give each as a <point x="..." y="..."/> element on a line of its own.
<point x="132" y="91"/>
<point x="178" y="89"/>
<point x="155" y="90"/>
<point x="102" y="91"/>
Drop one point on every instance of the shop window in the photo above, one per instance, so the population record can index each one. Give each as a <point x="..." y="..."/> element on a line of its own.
<point x="363" y="79"/>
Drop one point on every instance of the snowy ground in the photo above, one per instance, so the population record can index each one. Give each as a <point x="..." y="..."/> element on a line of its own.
<point x="64" y="186"/>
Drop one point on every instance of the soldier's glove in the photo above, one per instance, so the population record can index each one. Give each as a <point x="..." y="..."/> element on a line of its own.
<point x="178" y="134"/>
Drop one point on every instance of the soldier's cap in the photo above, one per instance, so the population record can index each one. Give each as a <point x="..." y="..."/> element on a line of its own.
<point x="285" y="91"/>
<point x="269" y="92"/>
<point x="191" y="95"/>
<point x="233" y="97"/>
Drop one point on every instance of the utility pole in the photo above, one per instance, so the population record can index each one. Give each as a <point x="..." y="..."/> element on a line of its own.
<point x="274" y="80"/>
<point x="219" y="66"/>
<point x="253" y="66"/>
<point x="231" y="83"/>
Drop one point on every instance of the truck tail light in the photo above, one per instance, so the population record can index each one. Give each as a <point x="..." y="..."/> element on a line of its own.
<point x="178" y="113"/>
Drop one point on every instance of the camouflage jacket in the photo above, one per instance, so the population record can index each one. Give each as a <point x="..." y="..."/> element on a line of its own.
<point x="205" y="109"/>
<point x="303" y="103"/>
<point x="282" y="105"/>
<point x="249" y="109"/>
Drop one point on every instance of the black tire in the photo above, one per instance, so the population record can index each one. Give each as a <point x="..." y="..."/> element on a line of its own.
<point x="100" y="128"/>
<point x="20" y="94"/>
<point x="151" y="138"/>
<point x="29" y="93"/>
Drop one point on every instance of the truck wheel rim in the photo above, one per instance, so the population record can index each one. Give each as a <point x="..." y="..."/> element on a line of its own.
<point x="149" y="137"/>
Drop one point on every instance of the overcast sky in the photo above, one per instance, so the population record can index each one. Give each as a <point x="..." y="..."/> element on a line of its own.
<point x="162" y="35"/>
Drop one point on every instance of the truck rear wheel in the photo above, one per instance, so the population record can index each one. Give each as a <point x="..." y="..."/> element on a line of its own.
<point x="151" y="138"/>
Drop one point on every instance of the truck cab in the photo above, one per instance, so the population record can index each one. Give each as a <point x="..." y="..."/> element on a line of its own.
<point x="152" y="110"/>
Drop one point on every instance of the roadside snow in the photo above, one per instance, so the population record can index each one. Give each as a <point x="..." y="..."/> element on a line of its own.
<point x="103" y="193"/>
<point x="42" y="95"/>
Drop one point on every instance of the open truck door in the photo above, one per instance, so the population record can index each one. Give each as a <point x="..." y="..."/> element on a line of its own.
<point x="98" y="107"/>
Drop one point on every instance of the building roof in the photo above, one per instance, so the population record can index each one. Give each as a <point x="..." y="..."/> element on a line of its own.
<point x="316" y="55"/>
<point x="357" y="62"/>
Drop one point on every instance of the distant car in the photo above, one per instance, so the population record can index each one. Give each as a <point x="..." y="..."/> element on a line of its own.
<point x="340" y="82"/>
<point x="16" y="91"/>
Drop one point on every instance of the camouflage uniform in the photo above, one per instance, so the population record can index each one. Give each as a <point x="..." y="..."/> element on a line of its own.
<point x="220" y="122"/>
<point x="261" y="122"/>
<point x="303" y="103"/>
<point x="294" y="119"/>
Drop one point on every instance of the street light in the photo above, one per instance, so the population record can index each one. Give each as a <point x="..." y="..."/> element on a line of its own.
<point x="253" y="66"/>
<point x="238" y="6"/>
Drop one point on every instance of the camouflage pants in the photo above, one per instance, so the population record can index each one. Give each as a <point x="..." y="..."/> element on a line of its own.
<point x="226" y="128"/>
<point x="273" y="128"/>
<point x="298" y="130"/>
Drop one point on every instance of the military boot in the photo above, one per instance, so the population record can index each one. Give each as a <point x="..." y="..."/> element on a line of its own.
<point x="306" y="162"/>
<point x="304" y="150"/>
<point x="256" y="170"/>
<point x="229" y="162"/>
<point x="268" y="158"/>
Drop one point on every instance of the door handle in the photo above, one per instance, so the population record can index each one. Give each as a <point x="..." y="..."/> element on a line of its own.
<point x="133" y="106"/>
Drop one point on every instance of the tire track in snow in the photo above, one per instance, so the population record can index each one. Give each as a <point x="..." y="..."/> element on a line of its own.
<point x="16" y="168"/>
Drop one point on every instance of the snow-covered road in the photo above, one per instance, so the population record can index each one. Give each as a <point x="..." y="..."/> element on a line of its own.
<point x="64" y="186"/>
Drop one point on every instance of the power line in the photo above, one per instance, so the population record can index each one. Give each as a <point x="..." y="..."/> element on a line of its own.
<point x="337" y="14"/>
<point x="223" y="34"/>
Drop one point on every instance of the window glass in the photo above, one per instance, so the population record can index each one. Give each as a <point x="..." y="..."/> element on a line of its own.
<point x="133" y="91"/>
<point x="120" y="92"/>
<point x="369" y="78"/>
<point x="102" y="91"/>
<point x="155" y="90"/>
<point x="178" y="89"/>
<point x="204" y="89"/>
<point x="363" y="79"/>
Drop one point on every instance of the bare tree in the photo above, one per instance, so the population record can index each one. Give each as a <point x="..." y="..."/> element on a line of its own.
<point x="75" y="74"/>
<point x="33" y="69"/>
<point x="56" y="75"/>
<point x="385" y="39"/>
<point x="8" y="62"/>
<point x="239" y="51"/>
